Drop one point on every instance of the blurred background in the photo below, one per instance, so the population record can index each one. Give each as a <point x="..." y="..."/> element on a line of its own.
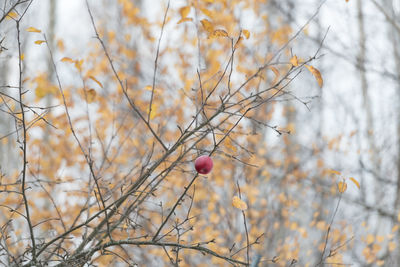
<point x="288" y="157"/>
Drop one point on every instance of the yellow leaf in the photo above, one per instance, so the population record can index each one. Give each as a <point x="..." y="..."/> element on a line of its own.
<point x="33" y="29"/>
<point x="94" y="79"/>
<point x="148" y="88"/>
<point x="355" y="182"/>
<point x="39" y="42"/>
<point x="342" y="186"/>
<point x="294" y="61"/>
<point x="238" y="203"/>
<point x="67" y="59"/>
<point x="90" y="95"/>
<point x="22" y="56"/>
<point x="228" y="144"/>
<point x="40" y="92"/>
<point x="12" y="15"/>
<point x="276" y="72"/>
<point x="153" y="112"/>
<point x="219" y="33"/>
<point x="184" y="20"/>
<point x="316" y="74"/>
<point x="60" y="45"/>
<point x="207" y="25"/>
<point x="206" y="12"/>
<point x="78" y="64"/>
<point x="334" y="172"/>
<point x="370" y="239"/>
<point x="184" y="11"/>
<point x="246" y="34"/>
<point x="238" y="41"/>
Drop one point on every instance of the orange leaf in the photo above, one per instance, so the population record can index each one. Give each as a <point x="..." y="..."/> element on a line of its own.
<point x="355" y="182"/>
<point x="228" y="144"/>
<point x="294" y="61"/>
<point x="153" y="112"/>
<point x="90" y="95"/>
<point x="276" y="72"/>
<point x="39" y="42"/>
<point x="219" y="33"/>
<point x="67" y="59"/>
<point x="238" y="41"/>
<point x="238" y="203"/>
<point x="334" y="172"/>
<point x="184" y="11"/>
<point x="94" y="79"/>
<point x="78" y="64"/>
<point x="246" y="34"/>
<point x="183" y="20"/>
<point x="207" y="25"/>
<point x="316" y="74"/>
<point x="342" y="186"/>
<point x="12" y="15"/>
<point x="33" y="29"/>
<point x="206" y="12"/>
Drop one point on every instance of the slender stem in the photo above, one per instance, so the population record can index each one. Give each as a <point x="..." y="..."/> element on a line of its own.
<point x="24" y="148"/>
<point x="156" y="63"/>
<point x="174" y="207"/>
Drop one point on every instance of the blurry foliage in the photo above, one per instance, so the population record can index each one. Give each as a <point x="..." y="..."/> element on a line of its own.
<point x="216" y="90"/>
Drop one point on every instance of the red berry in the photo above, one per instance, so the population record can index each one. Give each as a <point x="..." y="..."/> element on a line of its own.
<point x="203" y="164"/>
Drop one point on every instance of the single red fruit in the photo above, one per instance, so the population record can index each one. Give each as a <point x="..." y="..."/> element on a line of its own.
<point x="203" y="164"/>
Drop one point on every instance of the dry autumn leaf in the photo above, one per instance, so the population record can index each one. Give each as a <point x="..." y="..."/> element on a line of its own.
<point x="153" y="112"/>
<point x="316" y="74"/>
<point x="277" y="74"/>
<point x="78" y="64"/>
<point x="39" y="42"/>
<point x="33" y="29"/>
<point x="91" y="95"/>
<point x="246" y="34"/>
<point x="219" y="33"/>
<point x="228" y="144"/>
<point x="342" y="186"/>
<point x="97" y="81"/>
<point x="40" y="92"/>
<point x="355" y="182"/>
<point x="207" y="25"/>
<point x="238" y="203"/>
<point x="67" y="59"/>
<point x="184" y="20"/>
<point x="294" y="61"/>
<point x="12" y="15"/>
<point x="206" y="12"/>
<point x="184" y="11"/>
<point x="334" y="172"/>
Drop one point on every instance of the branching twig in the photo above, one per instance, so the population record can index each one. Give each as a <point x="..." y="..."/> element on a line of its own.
<point x="23" y="147"/>
<point x="156" y="62"/>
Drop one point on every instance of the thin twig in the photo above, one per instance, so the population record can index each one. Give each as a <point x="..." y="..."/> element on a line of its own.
<point x="123" y="88"/>
<point x="24" y="147"/>
<point x="156" y="63"/>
